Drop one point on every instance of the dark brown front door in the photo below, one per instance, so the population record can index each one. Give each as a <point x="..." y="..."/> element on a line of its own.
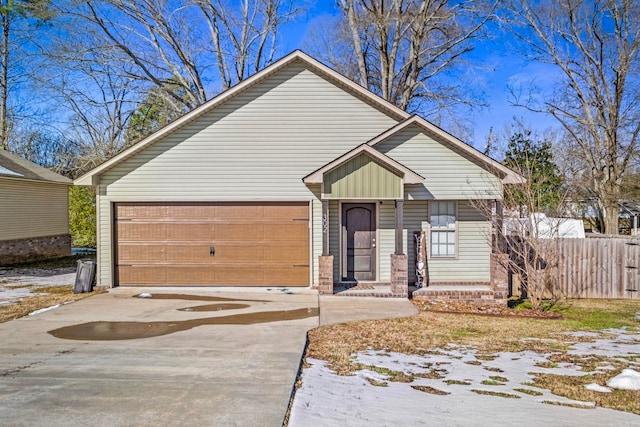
<point x="359" y="241"/>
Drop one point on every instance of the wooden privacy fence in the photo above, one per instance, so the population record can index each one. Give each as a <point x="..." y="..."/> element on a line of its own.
<point x="602" y="267"/>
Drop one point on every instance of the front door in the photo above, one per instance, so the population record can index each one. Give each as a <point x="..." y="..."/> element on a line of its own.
<point x="359" y="241"/>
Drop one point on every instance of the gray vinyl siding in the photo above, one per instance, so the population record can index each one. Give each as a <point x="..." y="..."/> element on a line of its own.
<point x="334" y="237"/>
<point x="259" y="144"/>
<point x="448" y="174"/>
<point x="416" y="218"/>
<point x="316" y="237"/>
<point x="256" y="146"/>
<point x="32" y="209"/>
<point x="473" y="248"/>
<point x="104" y="236"/>
<point x="386" y="238"/>
<point x="472" y="263"/>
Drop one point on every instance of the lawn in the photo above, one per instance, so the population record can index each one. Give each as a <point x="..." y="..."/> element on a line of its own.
<point x="43" y="297"/>
<point x="38" y="295"/>
<point x="426" y="331"/>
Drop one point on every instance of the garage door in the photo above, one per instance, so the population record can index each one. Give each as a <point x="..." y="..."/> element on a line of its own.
<point x="212" y="244"/>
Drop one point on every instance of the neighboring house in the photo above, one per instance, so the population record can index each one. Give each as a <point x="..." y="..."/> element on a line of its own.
<point x="296" y="176"/>
<point x="34" y="211"/>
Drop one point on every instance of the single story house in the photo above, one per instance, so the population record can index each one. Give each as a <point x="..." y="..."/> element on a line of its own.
<point x="34" y="211"/>
<point x="296" y="176"/>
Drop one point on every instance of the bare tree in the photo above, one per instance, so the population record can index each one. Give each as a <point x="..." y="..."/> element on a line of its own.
<point x="595" y="47"/>
<point x="185" y="46"/>
<point x="98" y="102"/>
<point x="400" y="48"/>
<point x="244" y="38"/>
<point x="19" y="21"/>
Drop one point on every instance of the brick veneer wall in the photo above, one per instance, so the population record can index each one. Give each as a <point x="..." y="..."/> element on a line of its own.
<point x="34" y="248"/>
<point x="325" y="274"/>
<point x="500" y="275"/>
<point x="400" y="276"/>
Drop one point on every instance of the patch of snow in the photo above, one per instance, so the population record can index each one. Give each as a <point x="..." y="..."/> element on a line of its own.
<point x="597" y="387"/>
<point x="43" y="310"/>
<point x="606" y="368"/>
<point x="145" y="295"/>
<point x="327" y="399"/>
<point x="628" y="379"/>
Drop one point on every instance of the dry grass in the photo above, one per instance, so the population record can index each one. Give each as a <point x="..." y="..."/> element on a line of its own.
<point x="573" y="388"/>
<point x="55" y="295"/>
<point x="337" y="343"/>
<point x="496" y="393"/>
<point x="430" y="390"/>
<point x="428" y="331"/>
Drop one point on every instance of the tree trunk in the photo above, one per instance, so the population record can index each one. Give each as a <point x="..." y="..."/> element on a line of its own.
<point x="4" y="78"/>
<point x="611" y="211"/>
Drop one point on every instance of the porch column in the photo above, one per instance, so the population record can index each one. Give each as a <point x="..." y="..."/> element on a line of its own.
<point x="325" y="261"/>
<point x="399" y="226"/>
<point x="325" y="227"/>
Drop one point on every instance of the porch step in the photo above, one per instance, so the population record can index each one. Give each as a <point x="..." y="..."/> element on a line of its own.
<point x="364" y="289"/>
<point x="474" y="294"/>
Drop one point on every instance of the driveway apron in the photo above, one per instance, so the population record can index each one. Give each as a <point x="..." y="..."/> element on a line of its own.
<point x="184" y="362"/>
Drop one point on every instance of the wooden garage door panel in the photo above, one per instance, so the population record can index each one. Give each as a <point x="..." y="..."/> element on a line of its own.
<point x="202" y="276"/>
<point x="190" y="275"/>
<point x="293" y="231"/>
<point x="195" y="211"/>
<point x="269" y="276"/>
<point x="142" y="275"/>
<point x="185" y="253"/>
<point x="165" y="275"/>
<point x="255" y="244"/>
<point x="140" y="210"/>
<point x="130" y="231"/>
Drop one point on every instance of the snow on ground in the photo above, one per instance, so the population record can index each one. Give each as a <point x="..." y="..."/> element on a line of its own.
<point x="627" y="380"/>
<point x="12" y="281"/>
<point x="367" y="398"/>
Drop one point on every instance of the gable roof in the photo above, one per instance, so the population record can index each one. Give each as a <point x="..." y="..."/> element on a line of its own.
<point x="12" y="166"/>
<point x="410" y="177"/>
<point x="296" y="56"/>
<point x="507" y="175"/>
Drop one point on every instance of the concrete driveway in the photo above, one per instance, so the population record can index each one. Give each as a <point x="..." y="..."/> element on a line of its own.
<point x="233" y="371"/>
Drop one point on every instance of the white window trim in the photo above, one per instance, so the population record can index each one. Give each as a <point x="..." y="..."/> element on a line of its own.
<point x="455" y="231"/>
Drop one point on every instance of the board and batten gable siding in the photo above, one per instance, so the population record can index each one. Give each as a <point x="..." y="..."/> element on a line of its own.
<point x="362" y="178"/>
<point x="256" y="146"/>
<point x="449" y="174"/>
<point x="33" y="209"/>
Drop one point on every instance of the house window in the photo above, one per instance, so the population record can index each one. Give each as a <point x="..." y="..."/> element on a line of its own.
<point x="442" y="220"/>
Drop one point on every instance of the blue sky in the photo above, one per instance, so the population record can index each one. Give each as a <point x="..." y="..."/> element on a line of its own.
<point x="500" y="68"/>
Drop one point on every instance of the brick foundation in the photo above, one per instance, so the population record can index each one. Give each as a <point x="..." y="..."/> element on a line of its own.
<point x="325" y="274"/>
<point x="34" y="249"/>
<point x="399" y="276"/>
<point x="477" y="297"/>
